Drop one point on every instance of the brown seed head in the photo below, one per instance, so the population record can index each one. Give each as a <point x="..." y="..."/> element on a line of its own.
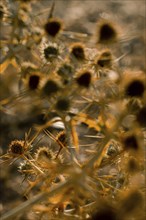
<point x="62" y="104"/>
<point x="53" y="27"/>
<point x="77" y="51"/>
<point x="50" y="88"/>
<point x="130" y="142"/>
<point x="104" y="213"/>
<point x="106" y="32"/>
<point x="43" y="154"/>
<point x="105" y="59"/>
<point x="135" y="88"/>
<point x="17" y="147"/>
<point x="84" y="79"/>
<point x="33" y="81"/>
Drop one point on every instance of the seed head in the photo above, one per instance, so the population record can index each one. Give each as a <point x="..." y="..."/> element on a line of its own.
<point x="33" y="81"/>
<point x="105" y="59"/>
<point x="84" y="79"/>
<point x="17" y="148"/>
<point x="43" y="154"/>
<point x="135" y="88"/>
<point x="65" y="72"/>
<point x="62" y="104"/>
<point x="105" y="213"/>
<point x="77" y="51"/>
<point x="53" y="27"/>
<point x="130" y="142"/>
<point x="50" y="51"/>
<point x="106" y="32"/>
<point x="50" y="88"/>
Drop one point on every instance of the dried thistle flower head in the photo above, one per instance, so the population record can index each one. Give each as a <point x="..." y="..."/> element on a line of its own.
<point x="106" y="32"/>
<point x="105" y="212"/>
<point x="77" y="51"/>
<point x="65" y="71"/>
<point x="104" y="59"/>
<point x="17" y="148"/>
<point x="44" y="154"/>
<point x="50" y="88"/>
<point x="50" y="51"/>
<point x="62" y="104"/>
<point x="135" y="88"/>
<point x="130" y="141"/>
<point x="53" y="26"/>
<point x="34" y="81"/>
<point x="84" y="79"/>
<point x="133" y="84"/>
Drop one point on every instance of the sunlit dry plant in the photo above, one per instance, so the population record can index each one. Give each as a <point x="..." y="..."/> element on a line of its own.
<point x="53" y="27"/>
<point x="107" y="32"/>
<point x="85" y="106"/>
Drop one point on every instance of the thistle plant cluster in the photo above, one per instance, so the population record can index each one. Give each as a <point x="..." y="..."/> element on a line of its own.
<point x="81" y="155"/>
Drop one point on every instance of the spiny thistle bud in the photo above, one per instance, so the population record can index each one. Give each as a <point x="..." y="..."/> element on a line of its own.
<point x="135" y="88"/>
<point x="17" y="147"/>
<point x="50" y="51"/>
<point x="84" y="79"/>
<point x="53" y="27"/>
<point x="62" y="104"/>
<point x="77" y="51"/>
<point x="44" y="153"/>
<point x="106" y="32"/>
<point x="50" y="88"/>
<point x="65" y="72"/>
<point x="104" y="213"/>
<point x="105" y="59"/>
<point x="130" y="142"/>
<point x="33" y="81"/>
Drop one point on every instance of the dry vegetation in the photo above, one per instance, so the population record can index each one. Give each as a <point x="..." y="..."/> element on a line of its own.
<point x="73" y="110"/>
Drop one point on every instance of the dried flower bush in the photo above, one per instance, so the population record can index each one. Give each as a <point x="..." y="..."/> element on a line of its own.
<point x="73" y="116"/>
